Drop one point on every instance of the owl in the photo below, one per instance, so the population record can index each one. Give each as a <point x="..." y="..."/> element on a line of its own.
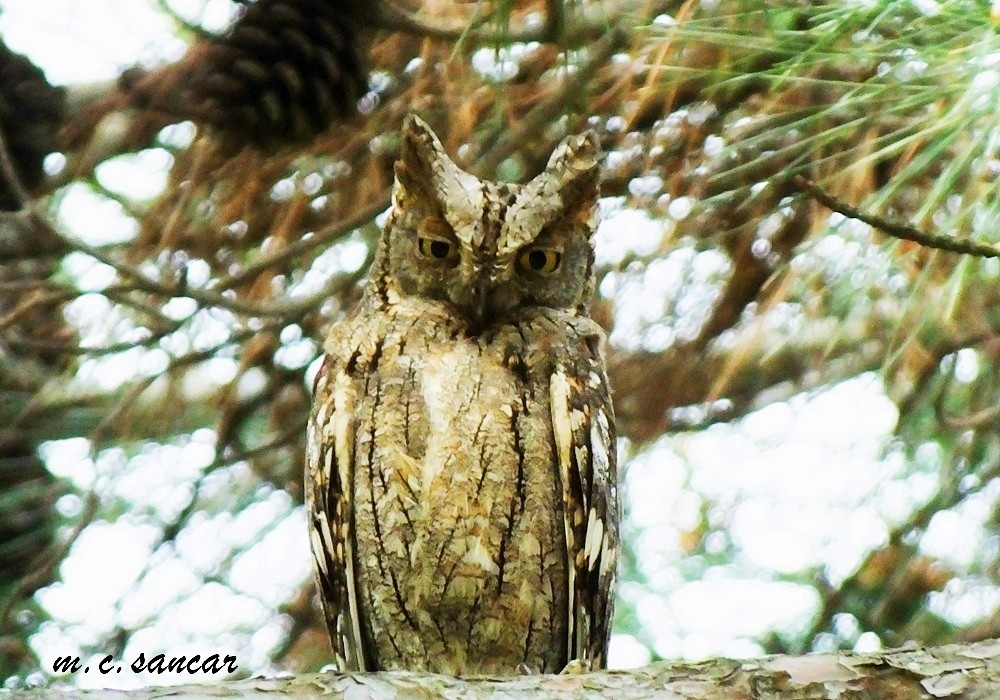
<point x="461" y="470"/>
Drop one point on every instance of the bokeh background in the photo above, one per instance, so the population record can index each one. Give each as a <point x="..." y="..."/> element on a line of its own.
<point x="809" y="409"/>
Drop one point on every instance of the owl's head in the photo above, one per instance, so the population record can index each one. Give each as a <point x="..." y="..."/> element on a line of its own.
<point x="490" y="249"/>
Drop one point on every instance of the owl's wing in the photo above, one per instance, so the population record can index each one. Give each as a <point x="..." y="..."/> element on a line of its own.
<point x="583" y="423"/>
<point x="329" y="470"/>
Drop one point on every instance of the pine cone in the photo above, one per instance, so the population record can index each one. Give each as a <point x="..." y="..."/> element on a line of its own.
<point x="283" y="71"/>
<point x="31" y="112"/>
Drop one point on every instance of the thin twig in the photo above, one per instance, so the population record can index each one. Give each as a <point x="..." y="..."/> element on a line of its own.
<point x="947" y="496"/>
<point x="54" y="557"/>
<point x="970" y="421"/>
<point x="36" y="303"/>
<point x="330" y="233"/>
<point x="896" y="229"/>
<point x="980" y="419"/>
<point x="204" y="297"/>
<point x="545" y="113"/>
<point x="9" y="173"/>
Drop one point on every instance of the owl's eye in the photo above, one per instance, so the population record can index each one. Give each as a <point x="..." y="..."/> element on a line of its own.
<point x="436" y="249"/>
<point x="542" y="261"/>
<point x="434" y="240"/>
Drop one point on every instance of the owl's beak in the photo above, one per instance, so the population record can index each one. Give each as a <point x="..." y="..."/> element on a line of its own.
<point x="473" y="299"/>
<point x="478" y="311"/>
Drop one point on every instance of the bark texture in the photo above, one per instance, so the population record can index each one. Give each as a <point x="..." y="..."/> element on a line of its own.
<point x="962" y="672"/>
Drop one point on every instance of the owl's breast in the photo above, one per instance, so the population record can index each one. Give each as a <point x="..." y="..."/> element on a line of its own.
<point x="457" y="501"/>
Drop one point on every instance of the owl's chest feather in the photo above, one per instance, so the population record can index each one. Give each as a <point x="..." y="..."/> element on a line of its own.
<point x="450" y="436"/>
<point x="454" y="486"/>
<point x="466" y="396"/>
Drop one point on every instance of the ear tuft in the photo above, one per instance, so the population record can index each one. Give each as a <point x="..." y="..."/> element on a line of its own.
<point x="421" y="155"/>
<point x="424" y="171"/>
<point x="566" y="191"/>
<point x="576" y="164"/>
<point x="577" y="152"/>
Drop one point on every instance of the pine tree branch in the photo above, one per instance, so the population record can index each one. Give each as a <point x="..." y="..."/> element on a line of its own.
<point x="895" y="229"/>
<point x="969" y="671"/>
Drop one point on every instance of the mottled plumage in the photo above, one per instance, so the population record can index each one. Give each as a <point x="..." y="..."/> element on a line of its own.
<point x="461" y="478"/>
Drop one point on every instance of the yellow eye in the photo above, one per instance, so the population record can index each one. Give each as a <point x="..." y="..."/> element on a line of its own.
<point x="542" y="261"/>
<point x="433" y="240"/>
<point x="435" y="248"/>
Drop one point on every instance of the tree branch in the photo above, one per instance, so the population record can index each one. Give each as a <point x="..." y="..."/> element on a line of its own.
<point x="898" y="230"/>
<point x="971" y="671"/>
<point x="206" y="297"/>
